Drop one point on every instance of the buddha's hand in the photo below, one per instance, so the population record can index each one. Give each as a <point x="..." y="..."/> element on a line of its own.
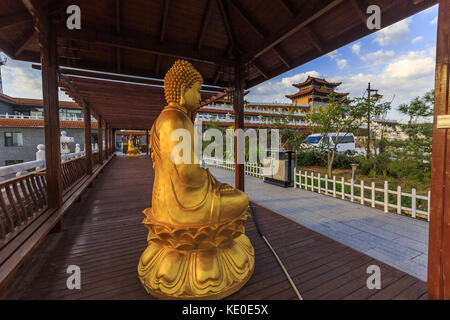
<point x="226" y="188"/>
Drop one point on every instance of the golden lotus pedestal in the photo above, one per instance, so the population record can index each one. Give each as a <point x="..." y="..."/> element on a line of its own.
<point x="202" y="262"/>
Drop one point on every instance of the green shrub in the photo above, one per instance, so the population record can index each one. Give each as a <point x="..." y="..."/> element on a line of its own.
<point x="312" y="158"/>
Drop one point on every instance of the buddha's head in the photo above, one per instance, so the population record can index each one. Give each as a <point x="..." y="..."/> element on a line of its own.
<point x="182" y="85"/>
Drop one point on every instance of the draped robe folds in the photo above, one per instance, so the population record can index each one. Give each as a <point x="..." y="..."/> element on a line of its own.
<point x="183" y="194"/>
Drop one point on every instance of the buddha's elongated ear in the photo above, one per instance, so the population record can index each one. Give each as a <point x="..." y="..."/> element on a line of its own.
<point x="183" y="90"/>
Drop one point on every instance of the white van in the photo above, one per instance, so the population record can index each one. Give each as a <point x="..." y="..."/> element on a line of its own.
<point x="345" y="141"/>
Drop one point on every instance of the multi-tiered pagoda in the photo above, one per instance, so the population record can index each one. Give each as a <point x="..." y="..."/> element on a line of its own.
<point x="314" y="91"/>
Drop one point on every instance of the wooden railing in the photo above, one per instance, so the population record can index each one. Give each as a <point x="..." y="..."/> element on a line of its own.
<point x="24" y="198"/>
<point x="72" y="171"/>
<point x="21" y="200"/>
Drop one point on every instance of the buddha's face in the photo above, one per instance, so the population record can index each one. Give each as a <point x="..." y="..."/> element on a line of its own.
<point x="190" y="97"/>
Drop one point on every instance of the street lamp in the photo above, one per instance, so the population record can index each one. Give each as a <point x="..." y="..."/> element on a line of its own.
<point x="377" y="96"/>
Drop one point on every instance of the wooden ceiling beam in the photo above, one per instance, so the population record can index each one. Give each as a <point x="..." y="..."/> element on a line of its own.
<point x="217" y="75"/>
<point x="359" y="11"/>
<point x="164" y="19"/>
<point x="294" y="26"/>
<point x="65" y="82"/>
<point x="260" y="69"/>
<point x="39" y="15"/>
<point x="25" y="41"/>
<point x="118" y="31"/>
<point x="141" y="43"/>
<point x="281" y="56"/>
<point x="245" y="16"/>
<point x="15" y="19"/>
<point x="313" y="38"/>
<point x="227" y="24"/>
<point x="286" y="7"/>
<point x="205" y="22"/>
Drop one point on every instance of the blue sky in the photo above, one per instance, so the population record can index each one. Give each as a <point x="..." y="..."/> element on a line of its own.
<point x="398" y="60"/>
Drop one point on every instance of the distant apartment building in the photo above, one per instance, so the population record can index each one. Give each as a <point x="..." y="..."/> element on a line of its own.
<point x="22" y="127"/>
<point x="312" y="92"/>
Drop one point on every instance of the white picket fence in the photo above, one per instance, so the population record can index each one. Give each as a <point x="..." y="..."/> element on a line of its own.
<point x="383" y="198"/>
<point x="365" y="194"/>
<point x="251" y="169"/>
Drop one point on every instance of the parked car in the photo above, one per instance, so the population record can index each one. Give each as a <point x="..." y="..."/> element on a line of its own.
<point x="344" y="141"/>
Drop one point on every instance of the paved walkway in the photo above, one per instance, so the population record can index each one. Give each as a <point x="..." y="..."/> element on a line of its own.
<point x="399" y="241"/>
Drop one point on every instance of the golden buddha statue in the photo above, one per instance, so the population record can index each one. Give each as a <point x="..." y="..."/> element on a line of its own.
<point x="132" y="150"/>
<point x="197" y="247"/>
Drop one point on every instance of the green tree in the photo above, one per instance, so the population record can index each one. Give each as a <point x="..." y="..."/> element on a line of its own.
<point x="419" y="128"/>
<point x="338" y="116"/>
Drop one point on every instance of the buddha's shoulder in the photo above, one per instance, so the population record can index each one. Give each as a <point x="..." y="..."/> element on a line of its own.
<point x="173" y="118"/>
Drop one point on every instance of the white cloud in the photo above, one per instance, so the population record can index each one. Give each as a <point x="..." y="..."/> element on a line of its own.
<point x="434" y="21"/>
<point x="21" y="81"/>
<point x="356" y="48"/>
<point x="342" y="63"/>
<point x="405" y="77"/>
<point x="378" y="57"/>
<point x="275" y="91"/>
<point x="393" y="34"/>
<point x="333" y="54"/>
<point x="415" y="64"/>
<point x="417" y="39"/>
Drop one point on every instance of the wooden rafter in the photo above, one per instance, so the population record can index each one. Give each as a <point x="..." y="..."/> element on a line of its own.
<point x="244" y="15"/>
<point x="38" y="14"/>
<point x="287" y="7"/>
<point x="313" y="38"/>
<point x="260" y="69"/>
<point x="281" y="56"/>
<point x="64" y="81"/>
<point x="165" y="14"/>
<point x="26" y="39"/>
<point x="205" y="22"/>
<point x="296" y="26"/>
<point x="359" y="10"/>
<point x="217" y="75"/>
<point x="227" y="24"/>
<point x="118" y="30"/>
<point x="14" y="20"/>
<point x="154" y="46"/>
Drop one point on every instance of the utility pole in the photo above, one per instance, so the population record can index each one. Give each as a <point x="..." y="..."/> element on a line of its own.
<point x="2" y="63"/>
<point x="369" y="107"/>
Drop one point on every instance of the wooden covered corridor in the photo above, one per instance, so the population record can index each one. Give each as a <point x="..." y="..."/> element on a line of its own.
<point x="235" y="45"/>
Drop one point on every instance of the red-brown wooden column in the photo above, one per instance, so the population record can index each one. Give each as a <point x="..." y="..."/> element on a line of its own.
<point x="100" y="140"/>
<point x="111" y="144"/>
<point x="111" y="139"/>
<point x="88" y="139"/>
<point x="439" y="232"/>
<point x="106" y="140"/>
<point x="238" y="106"/>
<point x="49" y="61"/>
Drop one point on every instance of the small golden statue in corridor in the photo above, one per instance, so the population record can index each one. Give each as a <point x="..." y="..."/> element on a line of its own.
<point x="132" y="150"/>
<point x="197" y="247"/>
